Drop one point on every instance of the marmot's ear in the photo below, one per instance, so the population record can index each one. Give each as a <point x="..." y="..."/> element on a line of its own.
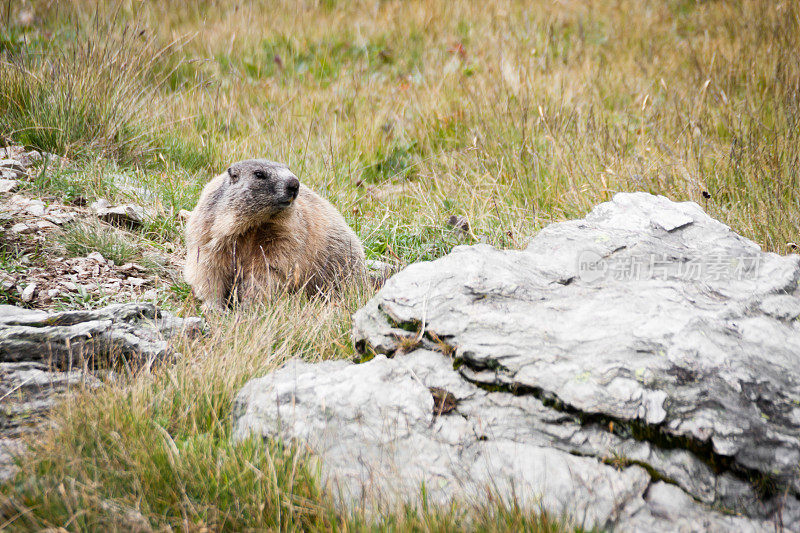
<point x="233" y="173"/>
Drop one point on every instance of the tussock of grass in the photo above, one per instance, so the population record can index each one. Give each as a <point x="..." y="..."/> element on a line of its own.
<point x="402" y="114"/>
<point x="88" y="97"/>
<point x="80" y="239"/>
<point x="96" y="90"/>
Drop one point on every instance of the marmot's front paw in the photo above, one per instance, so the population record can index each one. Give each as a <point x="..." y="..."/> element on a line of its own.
<point x="211" y="306"/>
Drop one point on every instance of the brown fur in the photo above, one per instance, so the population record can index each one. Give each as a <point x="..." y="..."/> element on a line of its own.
<point x="240" y="245"/>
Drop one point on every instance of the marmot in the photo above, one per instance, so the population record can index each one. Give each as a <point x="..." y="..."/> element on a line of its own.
<point x="257" y="228"/>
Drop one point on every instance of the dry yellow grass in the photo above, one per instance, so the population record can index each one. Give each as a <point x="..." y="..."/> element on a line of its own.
<point x="514" y="114"/>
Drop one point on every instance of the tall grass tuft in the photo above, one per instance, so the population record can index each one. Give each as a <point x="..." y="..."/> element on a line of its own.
<point x="94" y="94"/>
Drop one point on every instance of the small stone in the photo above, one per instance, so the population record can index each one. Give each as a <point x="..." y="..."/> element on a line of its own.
<point x="131" y="266"/>
<point x="122" y="215"/>
<point x="35" y="208"/>
<point x="46" y="225"/>
<point x="10" y="174"/>
<point x="137" y="282"/>
<point x="18" y="203"/>
<point x="52" y="293"/>
<point x="69" y="285"/>
<point x="12" y="164"/>
<point x="22" y="228"/>
<point x="60" y="218"/>
<point x="101" y="203"/>
<point x="25" y="158"/>
<point x="34" y="157"/>
<point x="8" y="185"/>
<point x="28" y="293"/>
<point x="97" y="256"/>
<point x="150" y="295"/>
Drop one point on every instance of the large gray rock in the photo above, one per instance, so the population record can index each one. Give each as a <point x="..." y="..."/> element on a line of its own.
<point x="134" y="331"/>
<point x="637" y="369"/>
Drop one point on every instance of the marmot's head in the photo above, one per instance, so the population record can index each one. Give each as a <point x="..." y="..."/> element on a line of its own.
<point x="260" y="189"/>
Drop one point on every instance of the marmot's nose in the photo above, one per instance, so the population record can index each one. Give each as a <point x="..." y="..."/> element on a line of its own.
<point x="292" y="187"/>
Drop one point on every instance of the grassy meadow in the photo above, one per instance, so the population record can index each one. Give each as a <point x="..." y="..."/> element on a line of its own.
<point x="402" y="113"/>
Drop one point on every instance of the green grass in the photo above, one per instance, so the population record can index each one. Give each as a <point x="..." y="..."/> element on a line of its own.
<point x="80" y="239"/>
<point x="512" y="114"/>
<point x="15" y="260"/>
<point x="11" y="259"/>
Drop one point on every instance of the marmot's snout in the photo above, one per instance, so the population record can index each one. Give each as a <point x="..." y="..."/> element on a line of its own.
<point x="292" y="187"/>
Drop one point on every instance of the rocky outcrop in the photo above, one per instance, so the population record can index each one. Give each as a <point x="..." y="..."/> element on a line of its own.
<point x="637" y="369"/>
<point x="39" y="236"/>
<point x="45" y="356"/>
<point x="16" y="161"/>
<point x="131" y="331"/>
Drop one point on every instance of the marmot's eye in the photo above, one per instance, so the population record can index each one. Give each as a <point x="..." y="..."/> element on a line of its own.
<point x="260" y="174"/>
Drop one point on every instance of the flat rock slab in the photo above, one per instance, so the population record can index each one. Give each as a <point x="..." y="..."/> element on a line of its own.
<point x="638" y="369"/>
<point x="134" y="331"/>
